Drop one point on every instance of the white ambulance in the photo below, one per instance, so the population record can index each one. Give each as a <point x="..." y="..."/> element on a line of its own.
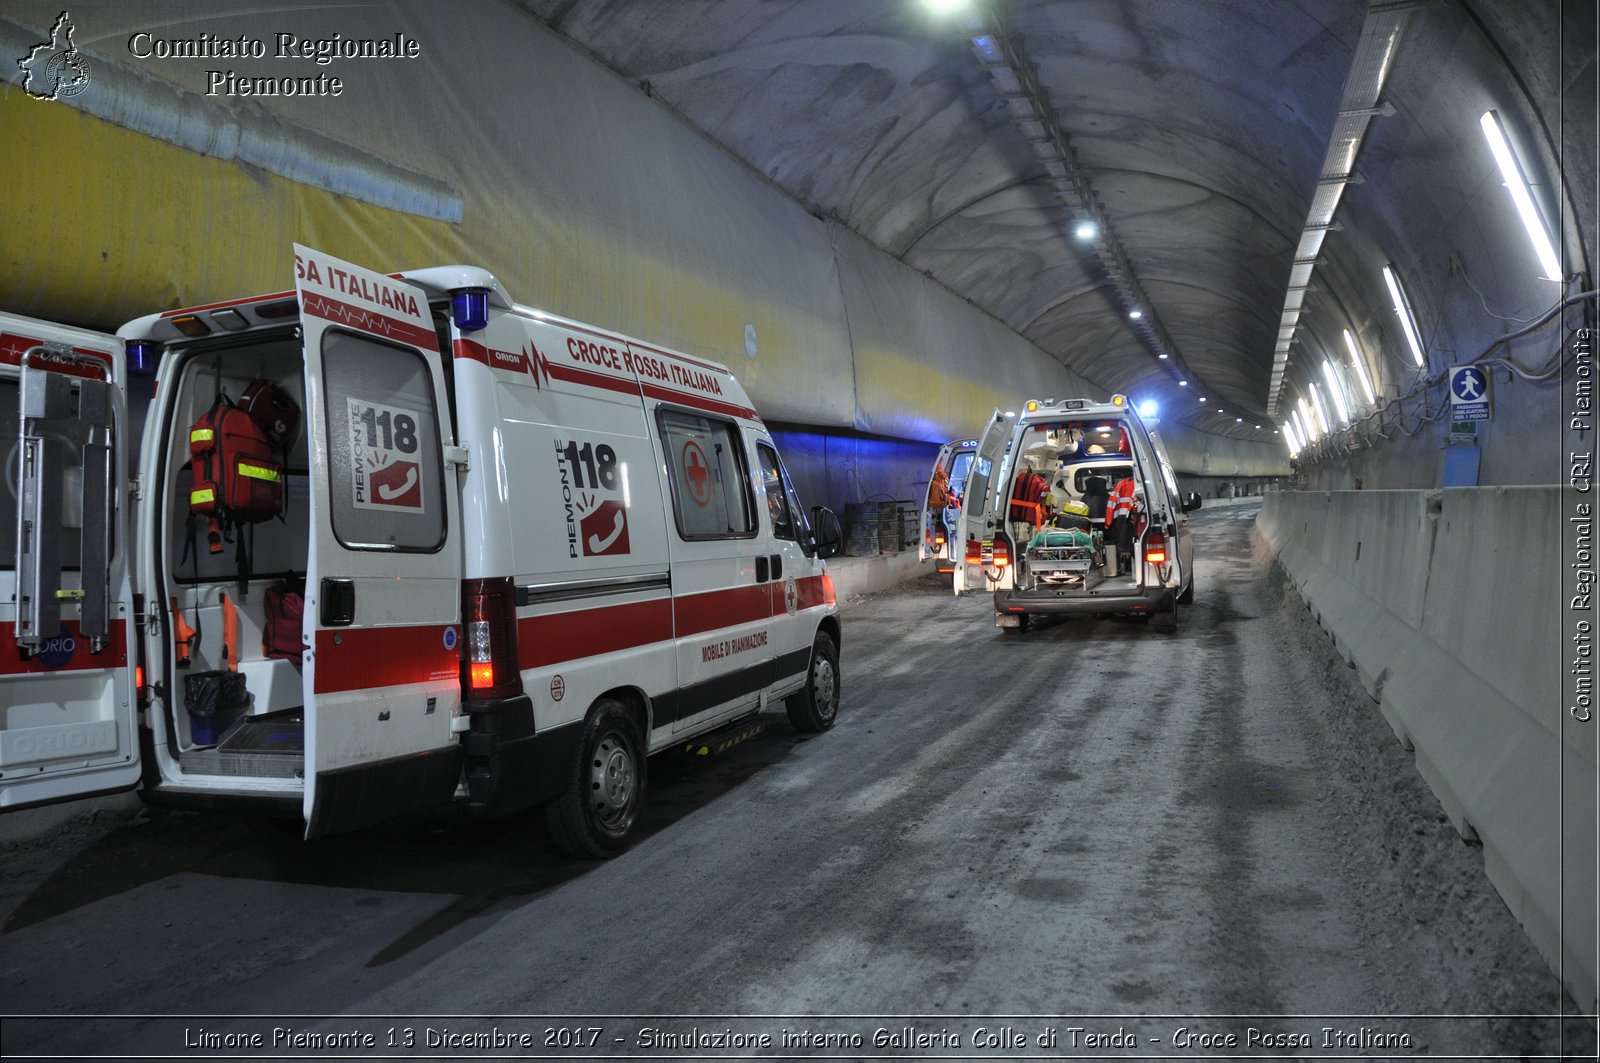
<point x="941" y="506"/>
<point x="533" y="553"/>
<point x="1067" y="457"/>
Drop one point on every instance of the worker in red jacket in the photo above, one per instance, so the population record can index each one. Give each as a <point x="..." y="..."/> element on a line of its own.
<point x="1121" y="506"/>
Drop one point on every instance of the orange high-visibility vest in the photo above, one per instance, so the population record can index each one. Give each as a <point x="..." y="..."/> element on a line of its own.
<point x="1120" y="501"/>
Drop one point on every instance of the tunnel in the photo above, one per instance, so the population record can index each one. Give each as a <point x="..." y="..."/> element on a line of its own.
<point x="1340" y="253"/>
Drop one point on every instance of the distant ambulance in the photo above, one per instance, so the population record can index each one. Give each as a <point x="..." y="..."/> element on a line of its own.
<point x="1034" y="521"/>
<point x="941" y="507"/>
<point x="470" y="552"/>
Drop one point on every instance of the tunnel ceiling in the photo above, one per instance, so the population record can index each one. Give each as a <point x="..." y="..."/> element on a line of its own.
<point x="1200" y="127"/>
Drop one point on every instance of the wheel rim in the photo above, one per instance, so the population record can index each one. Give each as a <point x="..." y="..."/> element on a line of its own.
<point x="612" y="781"/>
<point x="824" y="686"/>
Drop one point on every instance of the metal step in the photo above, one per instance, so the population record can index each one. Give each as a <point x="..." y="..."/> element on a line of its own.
<point x="725" y="738"/>
<point x="270" y="746"/>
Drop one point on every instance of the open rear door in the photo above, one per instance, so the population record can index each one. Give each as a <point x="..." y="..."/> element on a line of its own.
<point x="383" y="591"/>
<point x="67" y="725"/>
<point x="979" y="514"/>
<point x="932" y="504"/>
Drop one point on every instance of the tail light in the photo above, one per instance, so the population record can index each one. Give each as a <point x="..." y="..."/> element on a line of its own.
<point x="938" y="533"/>
<point x="141" y="692"/>
<point x="1155" y="548"/>
<point x="490" y="668"/>
<point x="974" y="552"/>
<point x="1002" y="551"/>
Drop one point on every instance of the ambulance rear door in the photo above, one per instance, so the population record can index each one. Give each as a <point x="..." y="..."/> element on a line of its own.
<point x="383" y="589"/>
<point x="980" y="516"/>
<point x="928" y="546"/>
<point x="67" y="712"/>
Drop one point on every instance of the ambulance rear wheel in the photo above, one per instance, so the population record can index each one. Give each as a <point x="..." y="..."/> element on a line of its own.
<point x="595" y="817"/>
<point x="814" y="708"/>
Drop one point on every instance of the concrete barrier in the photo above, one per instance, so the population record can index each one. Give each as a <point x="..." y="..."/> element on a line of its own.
<point x="1451" y="606"/>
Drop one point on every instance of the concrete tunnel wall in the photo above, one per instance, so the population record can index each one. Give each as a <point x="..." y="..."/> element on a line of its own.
<point x="1453" y="608"/>
<point x="582" y="194"/>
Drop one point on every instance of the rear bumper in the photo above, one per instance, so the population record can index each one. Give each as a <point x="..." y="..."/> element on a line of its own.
<point x="511" y="765"/>
<point x="1078" y="603"/>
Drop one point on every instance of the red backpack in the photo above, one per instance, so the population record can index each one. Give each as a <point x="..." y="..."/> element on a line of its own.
<point x="238" y="475"/>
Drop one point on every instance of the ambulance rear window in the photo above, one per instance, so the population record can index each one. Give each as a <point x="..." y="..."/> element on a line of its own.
<point x="385" y="472"/>
<point x="710" y="487"/>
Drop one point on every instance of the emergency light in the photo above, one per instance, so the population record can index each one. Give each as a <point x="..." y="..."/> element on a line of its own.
<point x="470" y="308"/>
<point x="142" y="356"/>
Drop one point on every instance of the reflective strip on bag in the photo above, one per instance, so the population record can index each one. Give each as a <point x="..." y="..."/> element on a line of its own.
<point x="201" y="435"/>
<point x="205" y="496"/>
<point x="259" y="472"/>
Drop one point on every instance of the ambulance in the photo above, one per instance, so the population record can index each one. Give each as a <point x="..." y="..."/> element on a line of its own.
<point x="941" y="506"/>
<point x="512" y="555"/>
<point x="1033" y="521"/>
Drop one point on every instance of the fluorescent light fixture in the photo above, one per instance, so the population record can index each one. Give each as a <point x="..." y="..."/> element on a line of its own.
<point x="1321" y="410"/>
<point x="1402" y="309"/>
<point x="1162" y="356"/>
<point x="1136" y="314"/>
<point x="1517" y="185"/>
<point x="1202" y="398"/>
<point x="1183" y="383"/>
<point x="1336" y="389"/>
<point x="1292" y="439"/>
<point x="1148" y="408"/>
<point x="945" y="7"/>
<point x="1305" y="422"/>
<point x="1238" y="420"/>
<point x="1086" y="230"/>
<point x="1361" y="369"/>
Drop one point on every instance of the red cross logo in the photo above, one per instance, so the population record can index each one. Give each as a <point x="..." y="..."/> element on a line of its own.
<point x="698" y="472"/>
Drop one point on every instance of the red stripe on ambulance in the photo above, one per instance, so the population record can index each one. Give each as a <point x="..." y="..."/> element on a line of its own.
<point x="67" y="652"/>
<point x="367" y="320"/>
<point x="560" y="637"/>
<point x="14" y="346"/>
<point x="357" y="658"/>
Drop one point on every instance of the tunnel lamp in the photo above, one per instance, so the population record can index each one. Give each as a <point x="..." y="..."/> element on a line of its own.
<point x="1086" y="230"/>
<point x="1135" y="315"/>
<point x="1402" y="310"/>
<point x="1183" y="383"/>
<point x="1148" y="408"/>
<point x="1291" y="438"/>
<point x="1361" y="369"/>
<point x="1304" y="423"/>
<point x="1320" y="409"/>
<point x="1238" y="420"/>
<point x="1202" y="398"/>
<point x="1162" y="356"/>
<point x="1336" y="389"/>
<point x="946" y="7"/>
<point x="1517" y="185"/>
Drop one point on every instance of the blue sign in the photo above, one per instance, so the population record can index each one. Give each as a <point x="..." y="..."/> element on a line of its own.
<point x="1469" y="394"/>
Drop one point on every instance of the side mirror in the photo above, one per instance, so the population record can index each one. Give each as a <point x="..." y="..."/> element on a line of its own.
<point x="1191" y="502"/>
<point x="825" y="528"/>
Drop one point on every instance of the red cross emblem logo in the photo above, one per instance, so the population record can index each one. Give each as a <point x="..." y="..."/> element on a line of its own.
<point x="698" y="472"/>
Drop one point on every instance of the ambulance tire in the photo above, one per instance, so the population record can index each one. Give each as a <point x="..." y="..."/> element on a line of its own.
<point x="813" y="709"/>
<point x="596" y="815"/>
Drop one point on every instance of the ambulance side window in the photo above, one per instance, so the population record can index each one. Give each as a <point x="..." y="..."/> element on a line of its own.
<point x="706" y="468"/>
<point x="776" y="498"/>
<point x="385" y="473"/>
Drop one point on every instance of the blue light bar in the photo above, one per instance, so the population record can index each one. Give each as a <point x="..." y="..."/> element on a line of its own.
<point x="142" y="357"/>
<point x="470" y="308"/>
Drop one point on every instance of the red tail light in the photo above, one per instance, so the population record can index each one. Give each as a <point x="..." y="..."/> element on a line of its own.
<point x="1155" y="548"/>
<point x="490" y="665"/>
<point x="938" y="539"/>
<point x="974" y="552"/>
<point x="1002" y="551"/>
<point x="141" y="693"/>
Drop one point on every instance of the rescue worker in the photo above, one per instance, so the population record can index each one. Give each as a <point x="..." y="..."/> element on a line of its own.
<point x="1120" y="507"/>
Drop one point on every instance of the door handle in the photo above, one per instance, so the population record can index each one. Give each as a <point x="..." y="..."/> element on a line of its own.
<point x="761" y="570"/>
<point x="338" y="607"/>
<point x="777" y="566"/>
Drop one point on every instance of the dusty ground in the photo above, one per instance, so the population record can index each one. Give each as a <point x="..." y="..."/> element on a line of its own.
<point x="1213" y="832"/>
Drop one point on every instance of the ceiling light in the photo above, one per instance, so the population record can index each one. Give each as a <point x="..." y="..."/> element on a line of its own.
<point x="1086" y="230"/>
<point x="1238" y="420"/>
<point x="1162" y="356"/>
<point x="1336" y="389"/>
<point x="1202" y="398"/>
<point x="1402" y="309"/>
<point x="1183" y="383"/>
<point x="1291" y="438"/>
<point x="946" y="7"/>
<point x="1304" y="423"/>
<point x="1361" y="369"/>
<point x="1517" y="185"/>
<point x="1136" y="314"/>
